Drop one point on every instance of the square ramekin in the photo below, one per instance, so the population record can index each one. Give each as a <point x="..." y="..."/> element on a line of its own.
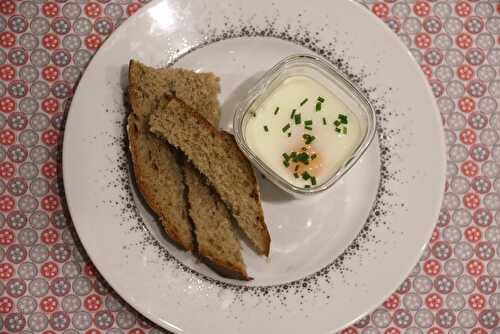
<point x="325" y="73"/>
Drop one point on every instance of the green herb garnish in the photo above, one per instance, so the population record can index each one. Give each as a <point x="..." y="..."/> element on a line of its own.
<point x="341" y="119"/>
<point x="293" y="113"/>
<point x="276" y="110"/>
<point x="289" y="134"/>
<point x="307" y="186"/>
<point x="303" y="101"/>
<point x="266" y="128"/>
<point x="320" y="99"/>
<point x="308" y="128"/>
<point x="296" y="175"/>
<point x="313" y="180"/>
<point x="308" y="122"/>
<point x="303" y="157"/>
<point x="297" y="119"/>
<point x="324" y="121"/>
<point x="318" y="106"/>
<point x="306" y="176"/>
<point x="308" y="138"/>
<point x="286" y="127"/>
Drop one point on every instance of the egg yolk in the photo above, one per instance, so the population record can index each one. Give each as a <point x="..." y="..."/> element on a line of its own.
<point x="313" y="167"/>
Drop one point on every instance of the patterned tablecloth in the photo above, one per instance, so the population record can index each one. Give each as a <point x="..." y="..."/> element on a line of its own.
<point x="47" y="285"/>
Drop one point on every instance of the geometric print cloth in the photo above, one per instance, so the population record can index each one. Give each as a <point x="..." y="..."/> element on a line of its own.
<point x="47" y="283"/>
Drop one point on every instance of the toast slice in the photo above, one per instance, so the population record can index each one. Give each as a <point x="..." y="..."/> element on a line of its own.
<point x="218" y="244"/>
<point x="216" y="240"/>
<point x="163" y="180"/>
<point x="216" y="155"/>
<point x="158" y="175"/>
<point x="159" y="179"/>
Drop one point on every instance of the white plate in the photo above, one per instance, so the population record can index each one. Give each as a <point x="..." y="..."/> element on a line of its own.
<point x="335" y="256"/>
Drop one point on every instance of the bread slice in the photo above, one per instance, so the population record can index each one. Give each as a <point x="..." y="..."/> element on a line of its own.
<point x="217" y="242"/>
<point x="216" y="154"/>
<point x="158" y="175"/>
<point x="160" y="180"/>
<point x="163" y="180"/>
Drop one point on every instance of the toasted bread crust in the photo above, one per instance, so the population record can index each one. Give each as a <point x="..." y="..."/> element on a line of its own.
<point x="157" y="170"/>
<point x="216" y="154"/>
<point x="154" y="163"/>
<point x="216" y="238"/>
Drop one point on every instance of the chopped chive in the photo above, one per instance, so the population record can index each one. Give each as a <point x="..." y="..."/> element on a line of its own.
<point x="253" y="114"/>
<point x="286" y="156"/>
<point x="344" y="130"/>
<point x="342" y="118"/>
<point x="324" y="121"/>
<point x="296" y="175"/>
<point x="286" y="163"/>
<point x="303" y="157"/>
<point x="306" y="176"/>
<point x="286" y="127"/>
<point x="297" y="119"/>
<point x="308" y="138"/>
<point x="318" y="106"/>
<point x="337" y="129"/>
<point x="336" y="123"/>
<point x="308" y="122"/>
<point x="289" y="134"/>
<point x="308" y="128"/>
<point x="313" y="156"/>
<point x="266" y="128"/>
<point x="293" y="113"/>
<point x="320" y="99"/>
<point x="293" y="155"/>
<point x="276" y="111"/>
<point x="303" y="101"/>
<point x="307" y="186"/>
<point x="313" y="180"/>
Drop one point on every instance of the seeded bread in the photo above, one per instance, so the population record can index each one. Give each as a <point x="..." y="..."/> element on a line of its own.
<point x="216" y="155"/>
<point x="158" y="175"/>
<point x="217" y="242"/>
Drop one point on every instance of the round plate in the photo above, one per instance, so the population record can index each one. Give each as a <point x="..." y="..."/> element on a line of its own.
<point x="334" y="256"/>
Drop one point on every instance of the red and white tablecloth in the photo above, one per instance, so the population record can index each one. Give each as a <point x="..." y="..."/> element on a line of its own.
<point x="47" y="285"/>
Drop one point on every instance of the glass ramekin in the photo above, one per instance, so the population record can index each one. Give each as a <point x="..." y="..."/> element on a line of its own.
<point x="326" y="74"/>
